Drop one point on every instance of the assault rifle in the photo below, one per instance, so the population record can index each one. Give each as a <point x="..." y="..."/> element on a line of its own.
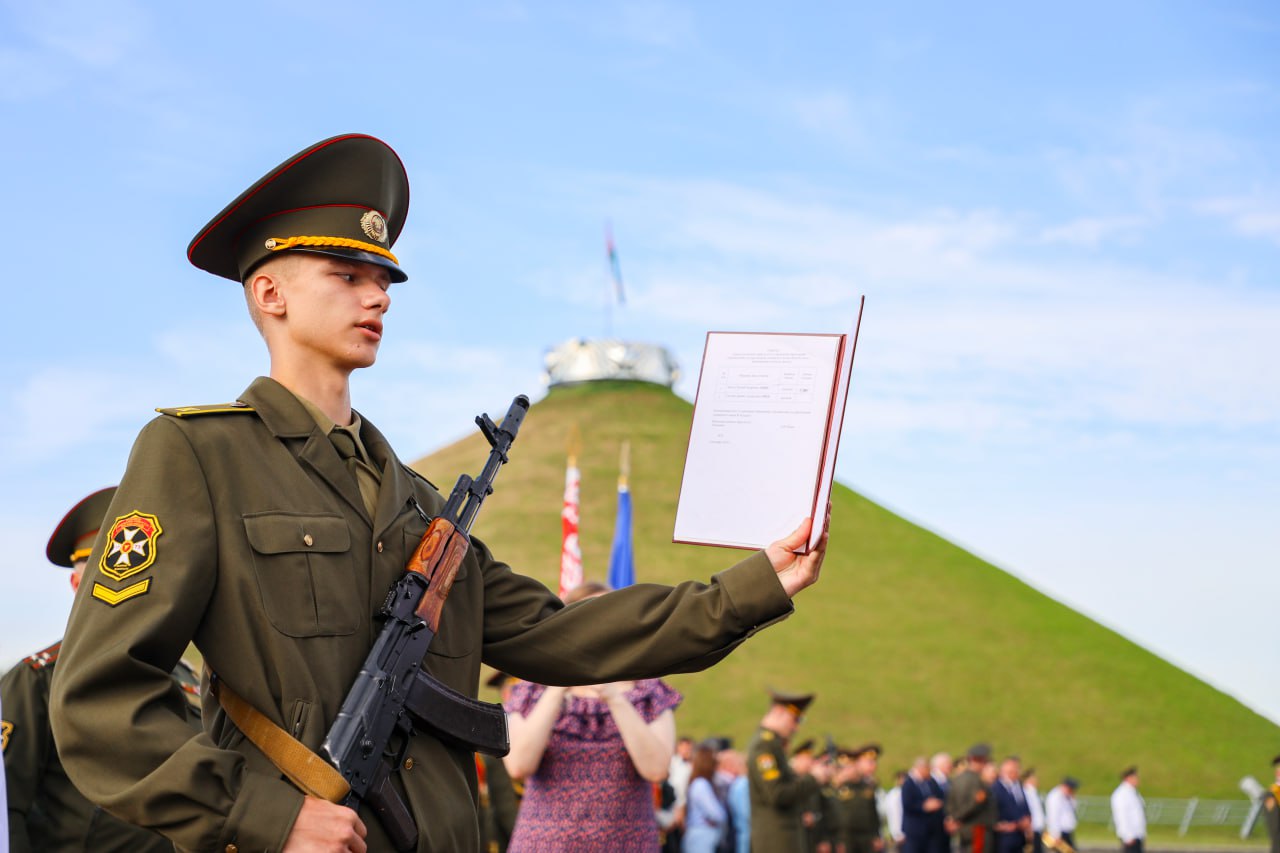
<point x="393" y="696"/>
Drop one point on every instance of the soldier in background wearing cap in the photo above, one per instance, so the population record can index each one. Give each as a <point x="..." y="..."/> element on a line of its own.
<point x="851" y="812"/>
<point x="812" y="832"/>
<point x="1271" y="806"/>
<point x="968" y="795"/>
<point x="781" y="789"/>
<point x="46" y="813"/>
<point x="269" y="530"/>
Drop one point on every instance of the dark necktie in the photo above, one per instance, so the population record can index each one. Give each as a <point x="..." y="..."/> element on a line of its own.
<point x="346" y="447"/>
<point x="364" y="476"/>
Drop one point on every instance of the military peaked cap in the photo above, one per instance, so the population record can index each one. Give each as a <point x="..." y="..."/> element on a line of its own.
<point x="859" y="751"/>
<point x="346" y="196"/>
<point x="73" y="537"/>
<point x="980" y="751"/>
<point x="805" y="746"/>
<point x="796" y="702"/>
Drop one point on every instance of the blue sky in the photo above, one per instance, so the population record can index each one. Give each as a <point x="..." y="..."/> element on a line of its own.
<point x="1066" y="222"/>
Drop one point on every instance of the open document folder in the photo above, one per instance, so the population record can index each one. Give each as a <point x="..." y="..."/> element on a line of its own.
<point x="766" y="429"/>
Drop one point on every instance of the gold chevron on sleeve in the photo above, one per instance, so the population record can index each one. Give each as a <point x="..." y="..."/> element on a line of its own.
<point x="112" y="597"/>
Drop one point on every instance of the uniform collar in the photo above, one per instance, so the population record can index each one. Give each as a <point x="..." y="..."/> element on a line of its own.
<point x="279" y="408"/>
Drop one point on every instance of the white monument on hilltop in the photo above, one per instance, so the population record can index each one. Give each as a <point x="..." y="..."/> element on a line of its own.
<point x="582" y="360"/>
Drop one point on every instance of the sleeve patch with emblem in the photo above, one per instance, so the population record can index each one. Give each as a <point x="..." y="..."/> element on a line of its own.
<point x="6" y="729"/>
<point x="131" y="545"/>
<point x="114" y="597"/>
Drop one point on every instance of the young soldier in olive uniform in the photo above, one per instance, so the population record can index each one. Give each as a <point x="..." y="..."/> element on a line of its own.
<point x="1271" y="807"/>
<point x="967" y="797"/>
<point x="270" y="529"/>
<point x="860" y="830"/>
<point x="780" y="791"/>
<point x="812" y="831"/>
<point x="46" y="812"/>
<point x="836" y="795"/>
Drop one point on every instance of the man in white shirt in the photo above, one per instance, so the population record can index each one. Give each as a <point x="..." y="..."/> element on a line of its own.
<point x="1128" y="812"/>
<point x="892" y="808"/>
<point x="1031" y="789"/>
<point x="1060" y="814"/>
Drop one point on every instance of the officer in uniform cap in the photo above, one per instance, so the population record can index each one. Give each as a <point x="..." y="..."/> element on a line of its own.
<point x="812" y="832"/>
<point x="46" y="812"/>
<point x="1271" y="806"/>
<point x="967" y="797"/>
<point x="268" y="531"/>
<point x="850" y="811"/>
<point x="781" y="790"/>
<point x="863" y="813"/>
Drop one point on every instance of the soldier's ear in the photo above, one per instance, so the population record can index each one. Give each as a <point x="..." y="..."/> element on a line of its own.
<point x="265" y="294"/>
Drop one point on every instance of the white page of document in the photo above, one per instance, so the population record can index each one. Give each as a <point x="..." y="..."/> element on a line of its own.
<point x="759" y="436"/>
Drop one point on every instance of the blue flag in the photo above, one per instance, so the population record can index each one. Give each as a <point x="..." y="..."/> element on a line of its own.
<point x="622" y="567"/>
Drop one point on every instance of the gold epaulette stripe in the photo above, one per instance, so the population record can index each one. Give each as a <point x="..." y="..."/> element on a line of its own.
<point x="278" y="244"/>
<point x="112" y="597"/>
<point x="217" y="409"/>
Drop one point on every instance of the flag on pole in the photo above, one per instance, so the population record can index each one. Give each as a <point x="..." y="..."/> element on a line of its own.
<point x="622" y="567"/>
<point x="570" y="550"/>
<point x="614" y="268"/>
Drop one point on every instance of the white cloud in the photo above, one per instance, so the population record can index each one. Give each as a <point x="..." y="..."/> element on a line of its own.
<point x="1251" y="216"/>
<point x="1091" y="232"/>
<point x="978" y="321"/>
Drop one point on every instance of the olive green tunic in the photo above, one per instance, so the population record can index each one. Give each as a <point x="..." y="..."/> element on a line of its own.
<point x="263" y="553"/>
<point x="966" y="799"/>
<point x="47" y="814"/>
<point x="851" y="816"/>
<point x="778" y="795"/>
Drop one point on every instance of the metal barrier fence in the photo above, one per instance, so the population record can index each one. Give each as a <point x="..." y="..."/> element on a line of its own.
<point x="1183" y="814"/>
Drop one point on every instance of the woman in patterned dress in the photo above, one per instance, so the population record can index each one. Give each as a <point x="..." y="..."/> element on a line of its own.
<point x="590" y="757"/>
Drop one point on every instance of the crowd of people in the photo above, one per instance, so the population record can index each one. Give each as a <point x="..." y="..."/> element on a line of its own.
<point x="586" y="762"/>
<point x="596" y="788"/>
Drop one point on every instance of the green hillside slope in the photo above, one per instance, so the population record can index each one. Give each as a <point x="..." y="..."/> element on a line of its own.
<point x="908" y="639"/>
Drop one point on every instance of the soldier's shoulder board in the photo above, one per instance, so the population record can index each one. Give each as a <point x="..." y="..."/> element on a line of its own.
<point x="44" y="657"/>
<point x="214" y="409"/>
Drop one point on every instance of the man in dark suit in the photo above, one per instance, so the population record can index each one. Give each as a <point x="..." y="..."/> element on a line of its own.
<point x="1013" y="815"/>
<point x="922" y="813"/>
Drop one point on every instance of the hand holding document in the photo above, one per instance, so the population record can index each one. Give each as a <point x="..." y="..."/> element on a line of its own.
<point x="766" y="430"/>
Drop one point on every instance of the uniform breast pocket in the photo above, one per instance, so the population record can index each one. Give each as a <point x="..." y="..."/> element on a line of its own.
<point x="305" y="573"/>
